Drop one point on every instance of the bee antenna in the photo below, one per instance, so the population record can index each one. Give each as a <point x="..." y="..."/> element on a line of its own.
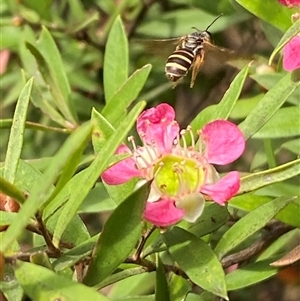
<point x="195" y="28"/>
<point x="213" y="21"/>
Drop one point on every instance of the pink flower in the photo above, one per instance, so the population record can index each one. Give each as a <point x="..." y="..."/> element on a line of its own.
<point x="289" y="3"/>
<point x="182" y="176"/>
<point x="291" y="54"/>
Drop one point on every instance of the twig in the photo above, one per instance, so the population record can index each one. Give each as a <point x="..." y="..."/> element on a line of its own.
<point x="141" y="245"/>
<point x="253" y="250"/>
<point x="46" y="235"/>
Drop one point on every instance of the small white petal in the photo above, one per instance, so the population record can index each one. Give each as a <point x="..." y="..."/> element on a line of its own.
<point x="192" y="205"/>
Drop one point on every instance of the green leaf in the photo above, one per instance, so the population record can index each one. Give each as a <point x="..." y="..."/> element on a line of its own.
<point x="213" y="218"/>
<point x="226" y="105"/>
<point x="279" y="126"/>
<point x="61" y="102"/>
<point x="115" y="59"/>
<point x="244" y="106"/>
<point x="125" y="224"/>
<point x="75" y="232"/>
<point x="249" y="202"/>
<point x="290" y="33"/>
<point x="71" y="257"/>
<point x="11" y="190"/>
<point x="249" y="275"/>
<point x="262" y="178"/>
<point x="197" y="260"/>
<point x="41" y="258"/>
<point x="92" y="173"/>
<point x="270" y="11"/>
<point x="39" y="101"/>
<point x="179" y="287"/>
<point x="73" y="161"/>
<point x="15" y="143"/>
<point x="249" y="224"/>
<point x="41" y="284"/>
<point x="41" y="7"/>
<point x="161" y="284"/>
<point x="101" y="131"/>
<point x="292" y="145"/>
<point x="7" y="217"/>
<point x="127" y="93"/>
<point x="268" y="105"/>
<point x="51" y="53"/>
<point x="130" y="282"/>
<point x="176" y="23"/>
<point x="43" y="187"/>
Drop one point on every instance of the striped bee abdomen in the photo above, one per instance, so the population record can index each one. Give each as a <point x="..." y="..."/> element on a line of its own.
<point x="179" y="63"/>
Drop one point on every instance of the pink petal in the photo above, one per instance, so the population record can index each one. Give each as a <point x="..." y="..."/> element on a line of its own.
<point x="291" y="54"/>
<point x="224" y="189"/>
<point x="289" y="3"/>
<point x="122" y="171"/>
<point x="4" y="58"/>
<point x="163" y="213"/>
<point x="158" y="126"/>
<point x="224" y="142"/>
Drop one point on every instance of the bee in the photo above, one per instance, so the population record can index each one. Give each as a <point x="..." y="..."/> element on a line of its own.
<point x="189" y="54"/>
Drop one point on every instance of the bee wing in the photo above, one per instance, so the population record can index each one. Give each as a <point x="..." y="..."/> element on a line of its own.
<point x="224" y="56"/>
<point x="197" y="64"/>
<point x="162" y="47"/>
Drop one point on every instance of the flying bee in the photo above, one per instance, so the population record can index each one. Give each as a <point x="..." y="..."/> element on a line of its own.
<point x="189" y="54"/>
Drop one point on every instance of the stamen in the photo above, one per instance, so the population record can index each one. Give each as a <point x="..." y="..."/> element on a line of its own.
<point x="184" y="149"/>
<point x="160" y="166"/>
<point x="131" y="140"/>
<point x="178" y="172"/>
<point x="189" y="129"/>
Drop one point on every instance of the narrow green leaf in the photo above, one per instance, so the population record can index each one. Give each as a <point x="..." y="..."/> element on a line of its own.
<point x="39" y="101"/>
<point x="57" y="94"/>
<point x="6" y="217"/>
<point x="250" y="274"/>
<point x="41" y="258"/>
<point x="179" y="287"/>
<point x="101" y="131"/>
<point x="75" y="232"/>
<point x="11" y="190"/>
<point x="73" y="161"/>
<point x="111" y="250"/>
<point x="92" y="173"/>
<point x="213" y="218"/>
<point x="278" y="174"/>
<point x="270" y="11"/>
<point x="197" y="260"/>
<point x="289" y="34"/>
<point x="249" y="224"/>
<point x="268" y="105"/>
<point x="43" y="187"/>
<point x="226" y="105"/>
<point x="15" y="143"/>
<point x="127" y="93"/>
<point x="71" y="257"/>
<point x="50" y="52"/>
<point x="248" y="202"/>
<point x="41" y="284"/>
<point x="127" y="289"/>
<point x="115" y="59"/>
<point x="161" y="284"/>
<point x="279" y="126"/>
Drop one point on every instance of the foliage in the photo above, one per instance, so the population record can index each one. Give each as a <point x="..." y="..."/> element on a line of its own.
<point x="77" y="78"/>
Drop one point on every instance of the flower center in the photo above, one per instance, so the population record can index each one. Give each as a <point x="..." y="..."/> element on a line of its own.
<point x="176" y="176"/>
